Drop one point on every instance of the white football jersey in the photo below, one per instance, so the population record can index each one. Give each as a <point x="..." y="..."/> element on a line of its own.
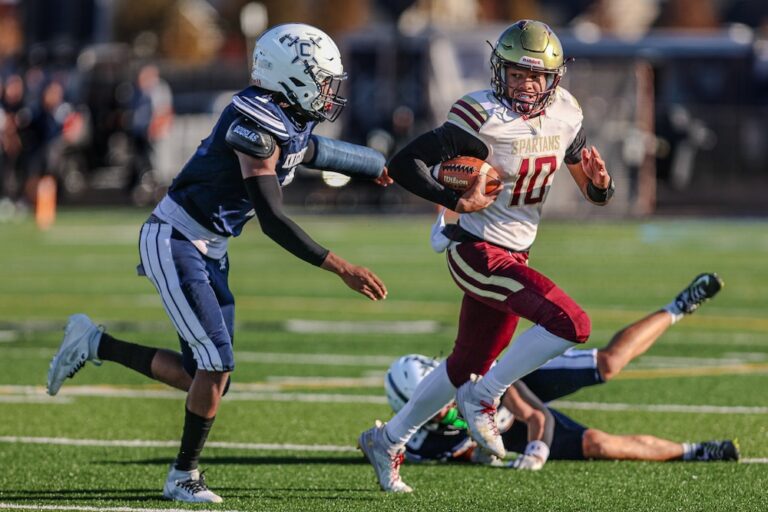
<point x="526" y="152"/>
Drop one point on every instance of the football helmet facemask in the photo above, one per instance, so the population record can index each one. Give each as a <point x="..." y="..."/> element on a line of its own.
<point x="304" y="64"/>
<point x="533" y="46"/>
<point x="404" y="375"/>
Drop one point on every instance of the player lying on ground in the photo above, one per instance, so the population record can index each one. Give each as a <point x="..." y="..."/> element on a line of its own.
<point x="538" y="432"/>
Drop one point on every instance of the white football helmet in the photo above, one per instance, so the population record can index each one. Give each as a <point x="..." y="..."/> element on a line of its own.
<point x="404" y="375"/>
<point x="304" y="64"/>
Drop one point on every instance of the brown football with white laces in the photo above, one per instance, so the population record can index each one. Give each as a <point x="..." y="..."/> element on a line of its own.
<point x="460" y="173"/>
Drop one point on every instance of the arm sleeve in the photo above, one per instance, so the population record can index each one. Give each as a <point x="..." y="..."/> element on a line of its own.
<point x="410" y="167"/>
<point x="573" y="153"/>
<point x="534" y="401"/>
<point x="267" y="199"/>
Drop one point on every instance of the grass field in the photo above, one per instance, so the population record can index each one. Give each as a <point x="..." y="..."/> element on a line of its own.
<point x="311" y="356"/>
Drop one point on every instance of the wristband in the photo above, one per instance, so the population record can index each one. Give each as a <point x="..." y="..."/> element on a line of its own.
<point x="600" y="195"/>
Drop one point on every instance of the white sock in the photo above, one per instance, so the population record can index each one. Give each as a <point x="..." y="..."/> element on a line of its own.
<point x="675" y="311"/>
<point x="431" y="395"/>
<point x="689" y="451"/>
<point x="532" y="349"/>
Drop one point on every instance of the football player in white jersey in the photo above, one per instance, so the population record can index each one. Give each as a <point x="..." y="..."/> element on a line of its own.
<point x="525" y="125"/>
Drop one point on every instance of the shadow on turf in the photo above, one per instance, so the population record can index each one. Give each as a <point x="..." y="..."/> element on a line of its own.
<point x="209" y="461"/>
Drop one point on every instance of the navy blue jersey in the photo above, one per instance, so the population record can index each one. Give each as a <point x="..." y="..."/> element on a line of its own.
<point x="210" y="186"/>
<point x="438" y="442"/>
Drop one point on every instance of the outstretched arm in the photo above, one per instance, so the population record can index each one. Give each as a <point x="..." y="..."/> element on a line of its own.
<point x="264" y="190"/>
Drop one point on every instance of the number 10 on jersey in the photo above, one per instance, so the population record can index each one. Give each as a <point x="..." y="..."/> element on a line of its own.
<point x="531" y="187"/>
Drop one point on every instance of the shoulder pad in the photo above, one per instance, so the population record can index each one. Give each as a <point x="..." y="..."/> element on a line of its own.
<point x="261" y="111"/>
<point x="246" y="137"/>
<point x="469" y="113"/>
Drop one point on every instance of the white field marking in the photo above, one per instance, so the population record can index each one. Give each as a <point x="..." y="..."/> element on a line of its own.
<point x="708" y="409"/>
<point x="265" y="396"/>
<point x="143" y="443"/>
<point x="33" y="399"/>
<point x="693" y="362"/>
<point x="138" y="443"/>
<point x="13" y="506"/>
<point x="728" y="360"/>
<point x="8" y="336"/>
<point x="351" y="327"/>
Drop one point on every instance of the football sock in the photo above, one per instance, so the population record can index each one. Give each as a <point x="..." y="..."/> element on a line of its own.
<point x="689" y="450"/>
<point x="432" y="394"/>
<point x="676" y="312"/>
<point x="136" y="357"/>
<point x="532" y="349"/>
<point x="196" y="429"/>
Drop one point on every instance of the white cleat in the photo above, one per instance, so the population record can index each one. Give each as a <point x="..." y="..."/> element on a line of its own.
<point x="81" y="338"/>
<point x="384" y="458"/>
<point x="188" y="486"/>
<point x="481" y="418"/>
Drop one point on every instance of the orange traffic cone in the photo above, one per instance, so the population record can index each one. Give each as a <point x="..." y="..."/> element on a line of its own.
<point x="45" y="203"/>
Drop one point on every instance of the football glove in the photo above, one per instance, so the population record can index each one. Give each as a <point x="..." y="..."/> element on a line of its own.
<point x="533" y="459"/>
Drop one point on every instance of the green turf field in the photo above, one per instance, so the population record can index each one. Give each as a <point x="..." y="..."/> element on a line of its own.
<point x="311" y="355"/>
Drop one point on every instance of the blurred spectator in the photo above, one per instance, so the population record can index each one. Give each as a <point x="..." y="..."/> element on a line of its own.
<point x="16" y="119"/>
<point x="689" y="15"/>
<point x="152" y="115"/>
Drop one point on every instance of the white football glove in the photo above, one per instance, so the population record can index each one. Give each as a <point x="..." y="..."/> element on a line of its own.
<point x="534" y="457"/>
<point x="437" y="239"/>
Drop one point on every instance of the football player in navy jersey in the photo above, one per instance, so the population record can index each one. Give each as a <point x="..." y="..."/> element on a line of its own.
<point x="538" y="432"/>
<point x="235" y="174"/>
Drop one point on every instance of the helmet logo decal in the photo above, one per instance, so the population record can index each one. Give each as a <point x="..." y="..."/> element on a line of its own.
<point x="531" y="61"/>
<point x="305" y="48"/>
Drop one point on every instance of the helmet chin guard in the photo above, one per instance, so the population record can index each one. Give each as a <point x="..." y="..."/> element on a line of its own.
<point x="304" y="64"/>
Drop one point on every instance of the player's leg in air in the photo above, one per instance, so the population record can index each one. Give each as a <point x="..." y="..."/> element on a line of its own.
<point x="635" y="339"/>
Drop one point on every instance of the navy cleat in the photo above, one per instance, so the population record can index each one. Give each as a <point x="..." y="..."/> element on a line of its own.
<point x="717" y="450"/>
<point x="701" y="289"/>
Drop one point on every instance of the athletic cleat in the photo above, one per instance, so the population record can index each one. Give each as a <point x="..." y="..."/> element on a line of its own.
<point x="81" y="337"/>
<point x="385" y="459"/>
<point x="717" y="450"/>
<point x="480" y="417"/>
<point x="188" y="486"/>
<point x="701" y="289"/>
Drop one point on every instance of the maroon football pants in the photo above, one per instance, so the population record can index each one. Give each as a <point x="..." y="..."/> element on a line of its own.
<point x="499" y="288"/>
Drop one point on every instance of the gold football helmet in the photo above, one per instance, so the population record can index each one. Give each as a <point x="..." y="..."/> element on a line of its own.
<point x="530" y="45"/>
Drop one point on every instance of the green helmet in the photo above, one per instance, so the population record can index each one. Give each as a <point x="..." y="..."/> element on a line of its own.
<point x="531" y="45"/>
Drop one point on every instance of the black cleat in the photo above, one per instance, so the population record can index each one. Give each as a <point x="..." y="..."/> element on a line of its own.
<point x="717" y="450"/>
<point x="701" y="289"/>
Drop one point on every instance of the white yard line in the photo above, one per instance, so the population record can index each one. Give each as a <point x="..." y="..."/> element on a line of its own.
<point x="271" y="393"/>
<point x="139" y="443"/>
<point x="13" y="506"/>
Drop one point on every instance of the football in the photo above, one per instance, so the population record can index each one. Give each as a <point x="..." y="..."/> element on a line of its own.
<point x="460" y="173"/>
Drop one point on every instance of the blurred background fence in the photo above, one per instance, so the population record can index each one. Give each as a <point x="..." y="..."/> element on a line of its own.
<point x="110" y="97"/>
